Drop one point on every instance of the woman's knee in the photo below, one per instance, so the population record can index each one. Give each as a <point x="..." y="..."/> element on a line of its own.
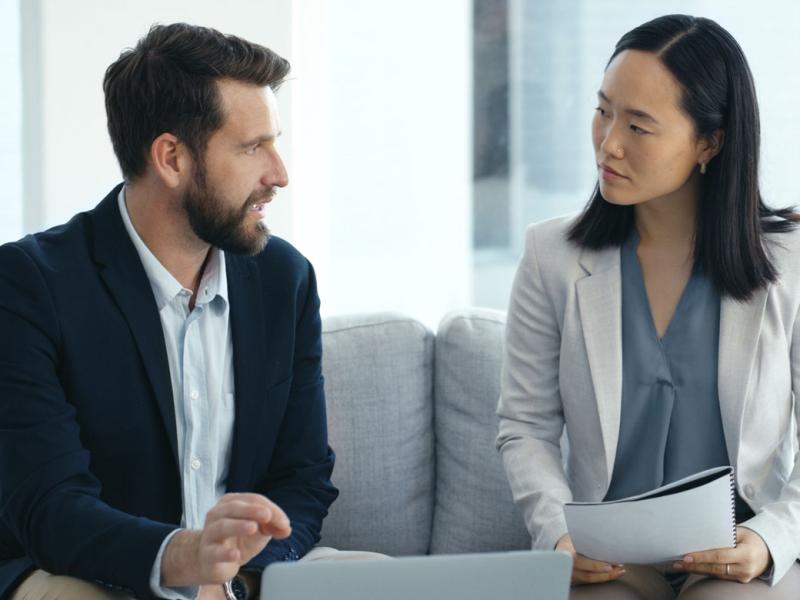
<point x="641" y="582"/>
<point x="613" y="590"/>
<point x="708" y="588"/>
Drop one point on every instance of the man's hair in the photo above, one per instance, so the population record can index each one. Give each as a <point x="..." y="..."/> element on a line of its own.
<point x="167" y="83"/>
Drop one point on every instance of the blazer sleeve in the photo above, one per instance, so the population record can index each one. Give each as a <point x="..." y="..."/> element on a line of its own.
<point x="298" y="478"/>
<point x="530" y="409"/>
<point x="778" y="523"/>
<point x="49" y="499"/>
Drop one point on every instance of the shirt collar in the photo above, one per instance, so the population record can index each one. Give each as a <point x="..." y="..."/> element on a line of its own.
<point x="213" y="284"/>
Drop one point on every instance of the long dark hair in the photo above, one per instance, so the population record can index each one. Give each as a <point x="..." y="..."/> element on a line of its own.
<point x="717" y="93"/>
<point x="167" y="83"/>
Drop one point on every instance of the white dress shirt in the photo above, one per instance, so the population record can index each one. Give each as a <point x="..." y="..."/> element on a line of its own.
<point x="200" y="355"/>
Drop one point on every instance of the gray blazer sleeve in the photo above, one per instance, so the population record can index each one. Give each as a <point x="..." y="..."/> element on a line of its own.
<point x="530" y="409"/>
<point x="778" y="522"/>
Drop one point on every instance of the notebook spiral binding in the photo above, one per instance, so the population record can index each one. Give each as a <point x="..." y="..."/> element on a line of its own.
<point x="732" y="480"/>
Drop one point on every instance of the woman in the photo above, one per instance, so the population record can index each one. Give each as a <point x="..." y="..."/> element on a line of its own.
<point x="660" y="326"/>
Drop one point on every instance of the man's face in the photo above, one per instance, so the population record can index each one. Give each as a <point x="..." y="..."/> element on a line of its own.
<point x="237" y="177"/>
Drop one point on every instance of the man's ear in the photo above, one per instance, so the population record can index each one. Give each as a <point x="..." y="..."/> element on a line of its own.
<point x="711" y="145"/>
<point x="170" y="160"/>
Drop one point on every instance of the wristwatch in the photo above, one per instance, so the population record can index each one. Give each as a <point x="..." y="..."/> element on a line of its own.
<point x="235" y="589"/>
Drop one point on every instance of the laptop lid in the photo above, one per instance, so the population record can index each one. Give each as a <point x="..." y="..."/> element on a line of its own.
<point x="525" y="575"/>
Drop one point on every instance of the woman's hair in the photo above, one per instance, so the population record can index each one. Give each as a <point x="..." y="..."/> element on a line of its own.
<point x="717" y="92"/>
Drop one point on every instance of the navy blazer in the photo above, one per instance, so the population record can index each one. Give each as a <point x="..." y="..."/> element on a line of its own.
<point x="89" y="478"/>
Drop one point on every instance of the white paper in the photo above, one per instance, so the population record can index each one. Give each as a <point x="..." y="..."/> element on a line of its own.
<point x="644" y="529"/>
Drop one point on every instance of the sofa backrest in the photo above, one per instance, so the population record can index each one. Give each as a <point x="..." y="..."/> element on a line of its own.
<point x="413" y="425"/>
<point x="474" y="510"/>
<point x="378" y="372"/>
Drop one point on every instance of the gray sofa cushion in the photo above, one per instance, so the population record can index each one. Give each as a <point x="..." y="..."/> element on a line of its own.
<point x="378" y="372"/>
<point x="474" y="510"/>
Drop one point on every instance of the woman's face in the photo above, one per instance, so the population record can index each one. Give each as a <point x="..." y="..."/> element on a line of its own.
<point x="645" y="146"/>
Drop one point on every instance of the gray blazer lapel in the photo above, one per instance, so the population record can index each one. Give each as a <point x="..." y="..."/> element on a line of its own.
<point x="739" y="329"/>
<point x="600" y="306"/>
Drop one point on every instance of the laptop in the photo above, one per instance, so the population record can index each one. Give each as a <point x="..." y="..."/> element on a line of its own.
<point x="529" y="575"/>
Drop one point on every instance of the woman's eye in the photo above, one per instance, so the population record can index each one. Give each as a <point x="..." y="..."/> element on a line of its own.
<point x="638" y="130"/>
<point x="251" y="149"/>
<point x="601" y="111"/>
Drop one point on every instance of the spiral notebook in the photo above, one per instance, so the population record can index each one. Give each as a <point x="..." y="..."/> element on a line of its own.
<point x="689" y="515"/>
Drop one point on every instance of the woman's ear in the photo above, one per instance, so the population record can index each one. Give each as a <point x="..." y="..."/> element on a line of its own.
<point x="710" y="146"/>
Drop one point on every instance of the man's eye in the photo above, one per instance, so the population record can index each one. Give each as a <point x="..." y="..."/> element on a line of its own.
<point x="638" y="130"/>
<point x="252" y="149"/>
<point x="601" y="111"/>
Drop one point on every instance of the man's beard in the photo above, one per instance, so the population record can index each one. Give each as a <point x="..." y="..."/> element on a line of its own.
<point x="223" y="227"/>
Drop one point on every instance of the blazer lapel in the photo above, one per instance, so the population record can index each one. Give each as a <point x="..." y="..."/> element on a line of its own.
<point x="124" y="276"/>
<point x="600" y="306"/>
<point x="250" y="331"/>
<point x="739" y="328"/>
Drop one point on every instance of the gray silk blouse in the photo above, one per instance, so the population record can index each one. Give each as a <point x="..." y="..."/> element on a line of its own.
<point x="670" y="423"/>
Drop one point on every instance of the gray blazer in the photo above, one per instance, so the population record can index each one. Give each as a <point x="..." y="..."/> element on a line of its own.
<point x="563" y="367"/>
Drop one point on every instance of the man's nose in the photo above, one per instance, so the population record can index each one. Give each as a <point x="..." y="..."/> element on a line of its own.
<point x="275" y="172"/>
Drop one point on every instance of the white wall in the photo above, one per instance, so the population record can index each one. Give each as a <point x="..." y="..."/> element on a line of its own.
<point x="10" y="123"/>
<point x="376" y="122"/>
<point x="382" y="153"/>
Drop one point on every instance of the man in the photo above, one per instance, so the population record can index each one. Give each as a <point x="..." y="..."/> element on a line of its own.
<point x="162" y="414"/>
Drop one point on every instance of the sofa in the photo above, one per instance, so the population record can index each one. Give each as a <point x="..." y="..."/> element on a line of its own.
<point x="411" y="417"/>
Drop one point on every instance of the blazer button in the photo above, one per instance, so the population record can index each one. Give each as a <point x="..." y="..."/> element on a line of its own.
<point x="748" y="491"/>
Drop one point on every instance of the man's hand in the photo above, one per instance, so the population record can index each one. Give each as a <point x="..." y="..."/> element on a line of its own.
<point x="586" y="570"/>
<point x="236" y="529"/>
<point x="749" y="559"/>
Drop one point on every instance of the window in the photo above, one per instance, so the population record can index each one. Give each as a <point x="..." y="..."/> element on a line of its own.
<point x="537" y="66"/>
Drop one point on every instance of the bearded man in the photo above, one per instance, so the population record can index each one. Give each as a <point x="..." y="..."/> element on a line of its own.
<point x="162" y="413"/>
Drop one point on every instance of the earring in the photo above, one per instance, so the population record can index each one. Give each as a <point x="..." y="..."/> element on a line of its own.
<point x="702" y="168"/>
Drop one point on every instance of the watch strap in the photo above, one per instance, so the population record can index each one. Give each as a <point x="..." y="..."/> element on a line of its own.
<point x="236" y="589"/>
<point x="228" y="590"/>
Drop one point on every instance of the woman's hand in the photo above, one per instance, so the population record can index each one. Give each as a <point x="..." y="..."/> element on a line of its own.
<point x="749" y="559"/>
<point x="586" y="570"/>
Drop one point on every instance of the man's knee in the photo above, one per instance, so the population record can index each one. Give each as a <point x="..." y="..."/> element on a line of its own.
<point x="41" y="585"/>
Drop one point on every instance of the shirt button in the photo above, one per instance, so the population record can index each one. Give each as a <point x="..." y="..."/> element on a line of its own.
<point x="196" y="464"/>
<point x="748" y="491"/>
<point x="194" y="395"/>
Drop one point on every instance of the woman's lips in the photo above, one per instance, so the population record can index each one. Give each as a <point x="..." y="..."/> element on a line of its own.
<point x="609" y="174"/>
